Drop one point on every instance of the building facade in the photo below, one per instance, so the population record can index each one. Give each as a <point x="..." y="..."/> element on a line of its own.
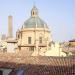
<point x="34" y="34"/>
<point x="69" y="47"/>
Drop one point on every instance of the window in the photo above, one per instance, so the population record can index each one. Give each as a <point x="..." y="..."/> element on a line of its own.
<point x="40" y="39"/>
<point x="18" y="36"/>
<point x="33" y="13"/>
<point x="29" y="40"/>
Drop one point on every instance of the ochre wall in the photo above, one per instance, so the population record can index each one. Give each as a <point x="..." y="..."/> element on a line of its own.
<point x="35" y="34"/>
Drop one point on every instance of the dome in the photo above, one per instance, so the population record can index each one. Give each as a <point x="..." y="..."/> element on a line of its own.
<point x="34" y="21"/>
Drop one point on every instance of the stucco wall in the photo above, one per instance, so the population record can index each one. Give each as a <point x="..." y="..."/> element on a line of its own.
<point x="35" y="34"/>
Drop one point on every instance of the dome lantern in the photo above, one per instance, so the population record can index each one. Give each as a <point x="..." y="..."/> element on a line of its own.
<point x="34" y="12"/>
<point x="34" y="21"/>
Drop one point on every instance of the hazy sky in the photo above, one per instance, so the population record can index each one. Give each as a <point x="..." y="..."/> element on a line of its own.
<point x="58" y="14"/>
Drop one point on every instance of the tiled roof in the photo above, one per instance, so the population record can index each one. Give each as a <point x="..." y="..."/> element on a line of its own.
<point x="39" y="65"/>
<point x="73" y="40"/>
<point x="39" y="60"/>
<point x="46" y="70"/>
<point x="68" y="49"/>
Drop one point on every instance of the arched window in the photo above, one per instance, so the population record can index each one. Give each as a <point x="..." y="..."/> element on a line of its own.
<point x="33" y="12"/>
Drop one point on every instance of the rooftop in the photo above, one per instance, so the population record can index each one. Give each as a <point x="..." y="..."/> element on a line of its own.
<point x="34" y="21"/>
<point x="38" y="65"/>
<point x="39" y="60"/>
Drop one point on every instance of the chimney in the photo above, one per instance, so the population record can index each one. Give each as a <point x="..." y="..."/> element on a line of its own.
<point x="10" y="28"/>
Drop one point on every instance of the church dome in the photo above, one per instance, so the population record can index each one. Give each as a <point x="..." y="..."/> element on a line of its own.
<point x="34" y="21"/>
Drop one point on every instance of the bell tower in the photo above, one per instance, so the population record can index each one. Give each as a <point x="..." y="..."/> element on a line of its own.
<point x="10" y="28"/>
